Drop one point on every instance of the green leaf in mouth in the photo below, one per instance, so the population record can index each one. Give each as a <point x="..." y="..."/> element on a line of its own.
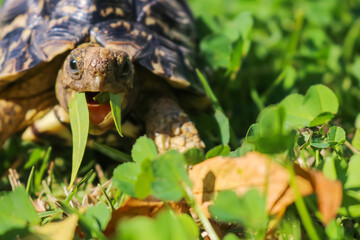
<point x="102" y="97"/>
<point x="79" y="122"/>
<point x="115" y="103"/>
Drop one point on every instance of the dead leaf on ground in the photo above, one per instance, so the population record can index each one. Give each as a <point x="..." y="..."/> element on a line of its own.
<point x="258" y="171"/>
<point x="63" y="230"/>
<point x="148" y="207"/>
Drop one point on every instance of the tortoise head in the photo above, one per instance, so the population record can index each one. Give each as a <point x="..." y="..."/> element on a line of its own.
<point x="94" y="69"/>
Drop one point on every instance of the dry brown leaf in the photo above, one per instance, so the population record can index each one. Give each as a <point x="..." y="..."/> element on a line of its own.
<point x="256" y="170"/>
<point x="63" y="230"/>
<point x="148" y="207"/>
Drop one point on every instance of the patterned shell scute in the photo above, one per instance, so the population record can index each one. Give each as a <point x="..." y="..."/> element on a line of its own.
<point x="10" y="9"/>
<point x="160" y="34"/>
<point x="24" y="48"/>
<point x="153" y="51"/>
<point x="169" y="18"/>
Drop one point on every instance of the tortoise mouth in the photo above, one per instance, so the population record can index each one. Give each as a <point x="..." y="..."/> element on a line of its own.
<point x="90" y="97"/>
<point x="98" y="112"/>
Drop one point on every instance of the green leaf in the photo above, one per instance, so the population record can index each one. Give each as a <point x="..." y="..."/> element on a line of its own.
<point x="134" y="179"/>
<point x="297" y="115"/>
<point x="86" y="224"/>
<point x="16" y="211"/>
<point x="194" y="156"/>
<point x="356" y="140"/>
<point x="320" y="99"/>
<point x="242" y="150"/>
<point x="170" y="173"/>
<point x="176" y="227"/>
<point x="165" y="226"/>
<point x="290" y="227"/>
<point x="99" y="215"/>
<point x="336" y="136"/>
<point x="231" y="236"/>
<point x="321" y="119"/>
<point x="125" y="177"/>
<point x="223" y="123"/>
<point x="218" y="151"/>
<point x="290" y="77"/>
<point x="249" y="210"/>
<point x="355" y="68"/>
<point x="138" y="228"/>
<point x="334" y="231"/>
<point x="103" y="97"/>
<point x="79" y="121"/>
<point x="329" y="169"/>
<point x="315" y="108"/>
<point x="319" y="142"/>
<point x="272" y="135"/>
<point x="216" y="48"/>
<point x="144" y="148"/>
<point x="115" y="103"/>
<point x="350" y="204"/>
<point x="236" y="58"/>
<point x="353" y="176"/>
<point x="238" y="31"/>
<point x="357" y="121"/>
<point x="35" y="156"/>
<point x="144" y="180"/>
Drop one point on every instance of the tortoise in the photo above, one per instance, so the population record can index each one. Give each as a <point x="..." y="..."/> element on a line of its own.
<point x="143" y="49"/>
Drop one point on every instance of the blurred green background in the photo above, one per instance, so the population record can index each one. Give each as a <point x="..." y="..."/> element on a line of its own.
<point x="257" y="52"/>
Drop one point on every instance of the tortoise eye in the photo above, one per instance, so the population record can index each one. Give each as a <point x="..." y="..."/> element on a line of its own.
<point x="73" y="65"/>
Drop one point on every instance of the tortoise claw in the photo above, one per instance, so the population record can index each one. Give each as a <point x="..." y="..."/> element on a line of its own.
<point x="182" y="138"/>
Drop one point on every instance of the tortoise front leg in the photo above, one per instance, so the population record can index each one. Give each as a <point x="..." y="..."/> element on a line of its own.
<point x="52" y="127"/>
<point x="16" y="114"/>
<point x="170" y="127"/>
<point x="10" y="120"/>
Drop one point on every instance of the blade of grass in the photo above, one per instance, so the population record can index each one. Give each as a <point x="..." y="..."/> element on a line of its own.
<point x="227" y="133"/>
<point x="115" y="103"/>
<point x="190" y="199"/>
<point x="43" y="167"/>
<point x="31" y="175"/>
<point x="350" y="40"/>
<point x="83" y="220"/>
<point x="111" y="152"/>
<point x="209" y="92"/>
<point x="69" y="197"/>
<point x="106" y="196"/>
<point x="45" y="214"/>
<point x="300" y="205"/>
<point x="79" y="121"/>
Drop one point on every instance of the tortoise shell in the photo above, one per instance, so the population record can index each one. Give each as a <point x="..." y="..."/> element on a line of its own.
<point x="157" y="34"/>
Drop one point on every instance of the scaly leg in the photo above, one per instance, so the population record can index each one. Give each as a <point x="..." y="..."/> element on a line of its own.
<point x="170" y="127"/>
